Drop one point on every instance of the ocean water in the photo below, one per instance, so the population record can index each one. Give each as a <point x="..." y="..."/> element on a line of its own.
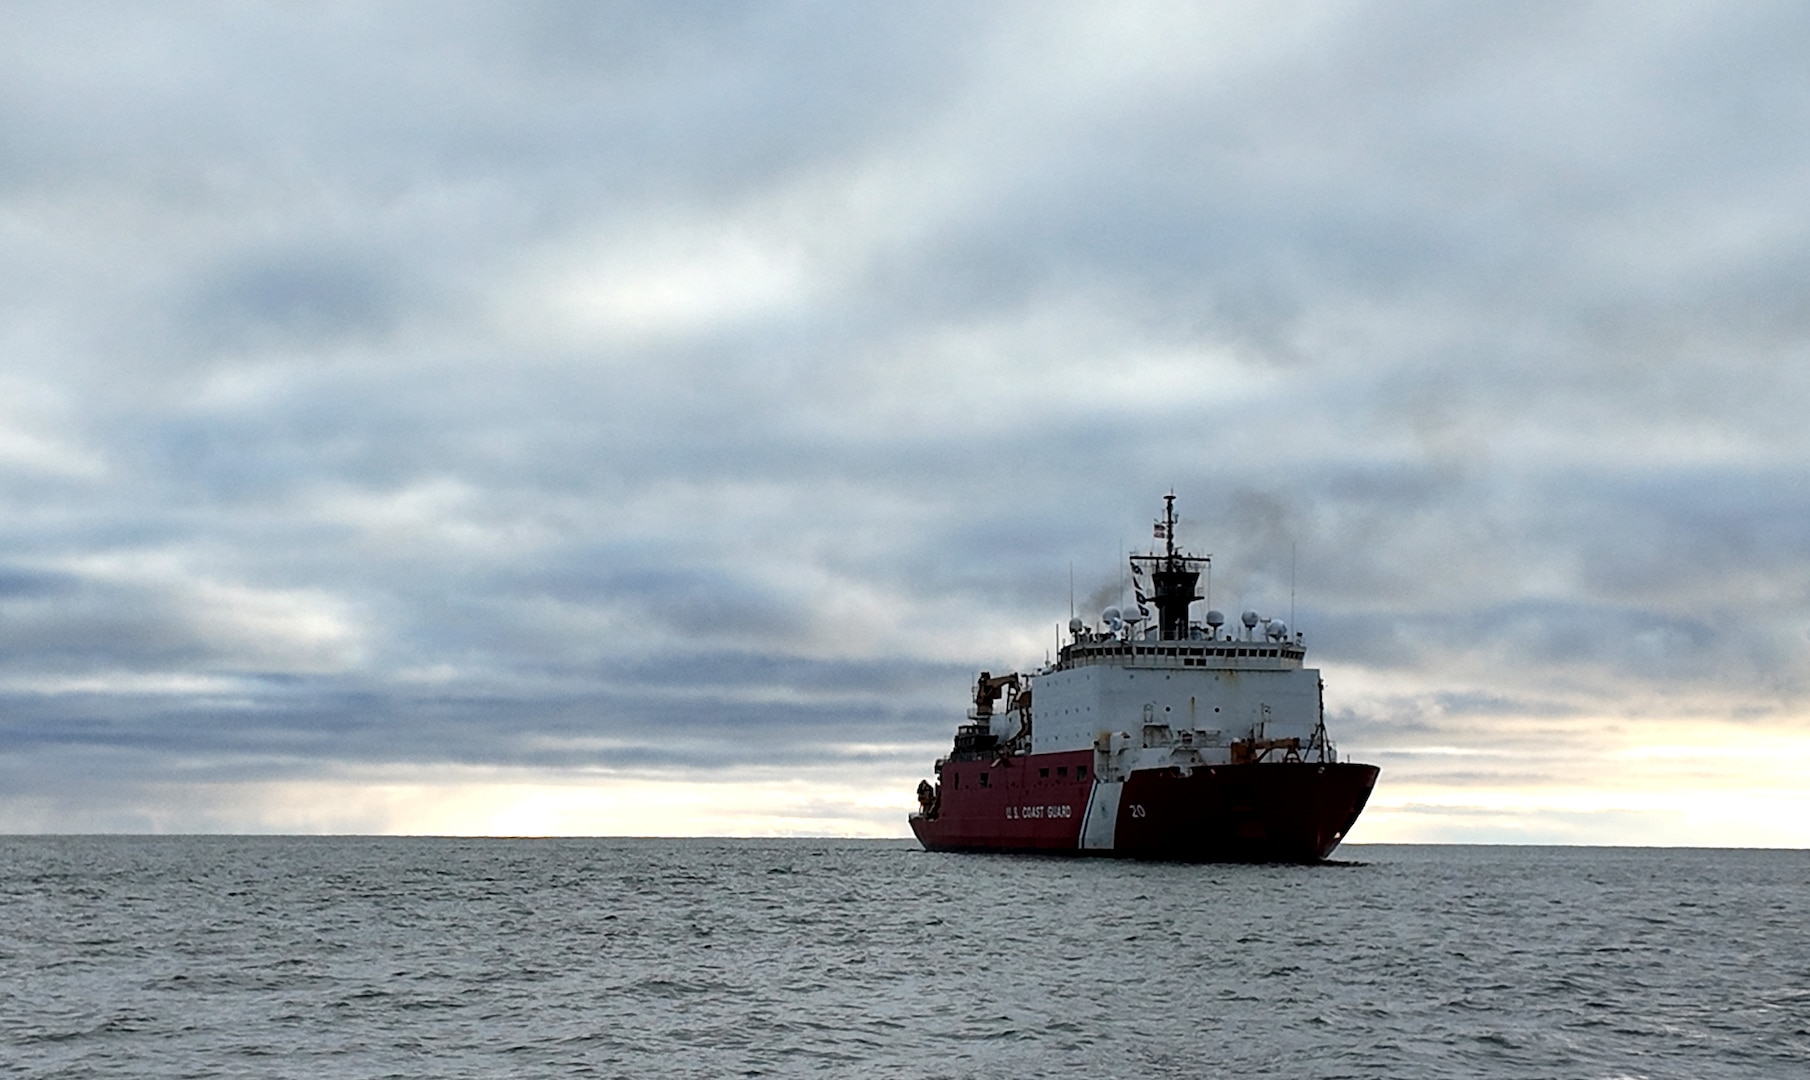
<point x="395" y="957"/>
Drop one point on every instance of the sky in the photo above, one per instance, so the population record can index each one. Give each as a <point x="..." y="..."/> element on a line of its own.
<point x="574" y="418"/>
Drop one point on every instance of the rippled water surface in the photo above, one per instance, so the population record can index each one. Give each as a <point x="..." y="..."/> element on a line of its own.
<point x="337" y="957"/>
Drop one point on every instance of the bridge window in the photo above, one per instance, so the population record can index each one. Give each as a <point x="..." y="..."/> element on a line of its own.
<point x="983" y="780"/>
<point x="1062" y="770"/>
<point x="1080" y="772"/>
<point x="1045" y="773"/>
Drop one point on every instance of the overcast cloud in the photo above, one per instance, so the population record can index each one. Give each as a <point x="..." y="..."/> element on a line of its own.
<point x="483" y="401"/>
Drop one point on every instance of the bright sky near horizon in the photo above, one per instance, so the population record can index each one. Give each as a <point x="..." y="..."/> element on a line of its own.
<point x="647" y="418"/>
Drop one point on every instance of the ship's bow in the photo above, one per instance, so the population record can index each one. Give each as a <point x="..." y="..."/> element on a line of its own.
<point x="1265" y="812"/>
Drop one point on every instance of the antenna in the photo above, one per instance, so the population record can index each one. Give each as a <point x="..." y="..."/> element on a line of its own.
<point x="1292" y="546"/>
<point x="1169" y="524"/>
<point x="1071" y="588"/>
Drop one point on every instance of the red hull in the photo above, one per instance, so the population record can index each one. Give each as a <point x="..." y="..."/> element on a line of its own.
<point x="1268" y="812"/>
<point x="1030" y="803"/>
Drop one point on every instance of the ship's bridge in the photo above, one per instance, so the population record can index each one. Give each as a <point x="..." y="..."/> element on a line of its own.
<point x="1224" y="653"/>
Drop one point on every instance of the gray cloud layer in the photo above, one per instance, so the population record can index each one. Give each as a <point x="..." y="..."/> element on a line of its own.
<point x="650" y="384"/>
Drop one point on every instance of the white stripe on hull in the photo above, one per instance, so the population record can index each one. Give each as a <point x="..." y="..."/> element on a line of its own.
<point x="1102" y="820"/>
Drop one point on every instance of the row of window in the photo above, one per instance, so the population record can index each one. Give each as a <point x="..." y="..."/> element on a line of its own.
<point x="1159" y="650"/>
<point x="955" y="780"/>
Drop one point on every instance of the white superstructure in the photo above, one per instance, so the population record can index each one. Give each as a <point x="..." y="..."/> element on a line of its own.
<point x="1171" y="692"/>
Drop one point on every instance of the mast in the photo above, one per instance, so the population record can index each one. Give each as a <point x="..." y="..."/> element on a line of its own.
<point x="1174" y="578"/>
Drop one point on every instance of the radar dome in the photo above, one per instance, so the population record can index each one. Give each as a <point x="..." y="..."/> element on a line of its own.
<point x="1278" y="629"/>
<point x="1216" y="618"/>
<point x="1251" y="619"/>
<point x="1074" y="625"/>
<point x="1111" y="614"/>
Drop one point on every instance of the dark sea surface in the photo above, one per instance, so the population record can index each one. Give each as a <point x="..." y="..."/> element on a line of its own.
<point x="396" y="957"/>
